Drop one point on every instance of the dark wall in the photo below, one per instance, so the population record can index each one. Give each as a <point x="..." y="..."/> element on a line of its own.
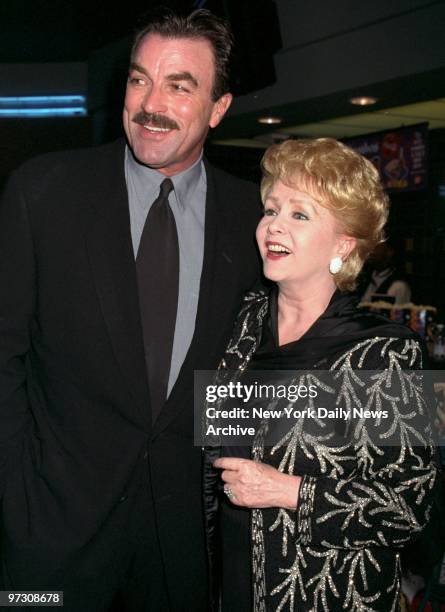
<point x="22" y="139"/>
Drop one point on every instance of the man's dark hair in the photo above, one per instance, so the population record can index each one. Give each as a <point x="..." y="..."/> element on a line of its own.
<point x="198" y="24"/>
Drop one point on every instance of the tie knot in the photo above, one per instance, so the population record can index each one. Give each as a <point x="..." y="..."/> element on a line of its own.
<point x="166" y="187"/>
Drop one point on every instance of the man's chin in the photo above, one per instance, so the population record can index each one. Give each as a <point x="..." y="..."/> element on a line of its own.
<point x="148" y="157"/>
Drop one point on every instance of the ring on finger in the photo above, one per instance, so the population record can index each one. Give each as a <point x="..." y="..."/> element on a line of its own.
<point x="228" y="491"/>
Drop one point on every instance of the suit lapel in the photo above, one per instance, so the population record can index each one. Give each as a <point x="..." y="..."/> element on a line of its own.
<point x="204" y="320"/>
<point x="112" y="262"/>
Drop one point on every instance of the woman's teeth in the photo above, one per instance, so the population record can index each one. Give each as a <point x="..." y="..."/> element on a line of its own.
<point x="278" y="248"/>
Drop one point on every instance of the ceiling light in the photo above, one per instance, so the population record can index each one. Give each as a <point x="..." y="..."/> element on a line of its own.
<point x="269" y="120"/>
<point x="43" y="106"/>
<point x="363" y="100"/>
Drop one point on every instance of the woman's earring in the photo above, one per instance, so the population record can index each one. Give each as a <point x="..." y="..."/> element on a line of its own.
<point x="335" y="265"/>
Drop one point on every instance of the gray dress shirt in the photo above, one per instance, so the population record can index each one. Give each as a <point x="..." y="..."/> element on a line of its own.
<point x="187" y="202"/>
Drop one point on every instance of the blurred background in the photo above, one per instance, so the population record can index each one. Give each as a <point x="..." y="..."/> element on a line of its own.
<point x="371" y="73"/>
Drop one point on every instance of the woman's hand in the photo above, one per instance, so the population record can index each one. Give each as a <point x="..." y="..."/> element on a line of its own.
<point x="258" y="485"/>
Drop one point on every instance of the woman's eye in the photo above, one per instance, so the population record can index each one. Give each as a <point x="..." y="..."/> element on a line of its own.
<point x="269" y="212"/>
<point x="301" y="216"/>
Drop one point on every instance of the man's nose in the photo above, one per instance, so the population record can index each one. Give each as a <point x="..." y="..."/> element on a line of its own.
<point x="154" y="101"/>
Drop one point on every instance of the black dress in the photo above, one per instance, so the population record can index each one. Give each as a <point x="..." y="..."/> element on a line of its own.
<point x="358" y="505"/>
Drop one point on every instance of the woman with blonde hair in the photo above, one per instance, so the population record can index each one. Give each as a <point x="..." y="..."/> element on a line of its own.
<point x="329" y="509"/>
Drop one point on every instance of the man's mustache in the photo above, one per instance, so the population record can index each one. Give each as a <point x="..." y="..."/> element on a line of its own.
<point x="155" y="120"/>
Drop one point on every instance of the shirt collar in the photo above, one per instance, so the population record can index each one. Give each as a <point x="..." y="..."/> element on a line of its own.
<point x="184" y="183"/>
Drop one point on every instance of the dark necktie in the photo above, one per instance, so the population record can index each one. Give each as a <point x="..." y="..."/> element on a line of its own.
<point x="157" y="266"/>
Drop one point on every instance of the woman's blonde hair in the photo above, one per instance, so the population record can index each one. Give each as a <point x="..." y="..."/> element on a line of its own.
<point x="342" y="181"/>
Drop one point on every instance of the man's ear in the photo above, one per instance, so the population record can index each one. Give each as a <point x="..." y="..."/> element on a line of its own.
<point x="219" y="109"/>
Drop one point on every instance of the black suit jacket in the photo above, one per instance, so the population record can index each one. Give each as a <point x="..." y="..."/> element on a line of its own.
<point x="76" y="435"/>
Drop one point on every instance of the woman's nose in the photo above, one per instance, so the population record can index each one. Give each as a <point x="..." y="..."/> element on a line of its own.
<point x="276" y="225"/>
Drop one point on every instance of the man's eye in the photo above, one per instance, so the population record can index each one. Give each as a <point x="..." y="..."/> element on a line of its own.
<point x="179" y="87"/>
<point x="136" y="80"/>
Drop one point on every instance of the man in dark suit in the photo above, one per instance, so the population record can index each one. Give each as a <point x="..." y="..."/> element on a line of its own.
<point x="99" y="478"/>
